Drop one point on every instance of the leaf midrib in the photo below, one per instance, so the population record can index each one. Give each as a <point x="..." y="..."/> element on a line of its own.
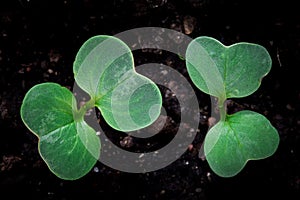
<point x="237" y="138"/>
<point x="107" y="67"/>
<point x="50" y="133"/>
<point x="112" y="89"/>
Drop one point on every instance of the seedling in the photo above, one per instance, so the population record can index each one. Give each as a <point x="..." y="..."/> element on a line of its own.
<point x="128" y="101"/>
<point x="232" y="72"/>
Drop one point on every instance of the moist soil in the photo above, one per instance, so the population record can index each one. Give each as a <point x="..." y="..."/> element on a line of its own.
<point x="38" y="43"/>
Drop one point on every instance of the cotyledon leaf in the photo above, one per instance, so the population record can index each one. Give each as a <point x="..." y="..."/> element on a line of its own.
<point x="226" y="71"/>
<point x="104" y="68"/>
<point x="243" y="136"/>
<point x="70" y="148"/>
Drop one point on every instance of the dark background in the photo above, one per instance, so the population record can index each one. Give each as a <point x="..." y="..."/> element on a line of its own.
<point x="38" y="43"/>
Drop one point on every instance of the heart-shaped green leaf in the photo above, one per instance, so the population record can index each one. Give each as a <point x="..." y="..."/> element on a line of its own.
<point x="226" y="71"/>
<point x="244" y="136"/>
<point x="104" y="68"/>
<point x="70" y="148"/>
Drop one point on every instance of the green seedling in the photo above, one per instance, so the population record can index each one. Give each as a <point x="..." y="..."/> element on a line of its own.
<point x="232" y="72"/>
<point x="128" y="101"/>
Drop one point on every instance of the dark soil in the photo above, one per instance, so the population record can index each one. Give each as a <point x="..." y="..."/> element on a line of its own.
<point x="38" y="43"/>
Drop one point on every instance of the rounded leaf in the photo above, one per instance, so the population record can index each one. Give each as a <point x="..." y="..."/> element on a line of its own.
<point x="226" y="71"/>
<point x="243" y="136"/>
<point x="104" y="68"/>
<point x="69" y="148"/>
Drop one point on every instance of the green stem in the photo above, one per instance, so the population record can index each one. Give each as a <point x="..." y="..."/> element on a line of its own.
<point x="222" y="109"/>
<point x="79" y="114"/>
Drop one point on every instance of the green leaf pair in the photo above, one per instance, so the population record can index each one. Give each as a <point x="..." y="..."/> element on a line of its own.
<point x="128" y="101"/>
<point x="231" y="72"/>
<point x="104" y="69"/>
